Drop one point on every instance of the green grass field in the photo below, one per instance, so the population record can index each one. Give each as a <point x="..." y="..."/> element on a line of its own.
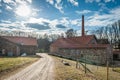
<point x="7" y="63"/>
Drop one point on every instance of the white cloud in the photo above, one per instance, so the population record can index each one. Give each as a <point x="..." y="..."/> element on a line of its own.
<point x="98" y="0"/>
<point x="35" y="11"/>
<point x="65" y="21"/>
<point x="0" y="3"/>
<point x="12" y="4"/>
<point x="76" y="22"/>
<point x="57" y="4"/>
<point x="8" y="7"/>
<point x="50" y="1"/>
<point x="105" y="19"/>
<point x="83" y="12"/>
<point x="0" y="11"/>
<point x="90" y="1"/>
<point x="74" y="2"/>
<point x="30" y="1"/>
<point x="103" y="7"/>
<point x="8" y="1"/>
<point x="22" y="1"/>
<point x="38" y="20"/>
<point x="107" y="0"/>
<point x="5" y="21"/>
<point x="15" y="2"/>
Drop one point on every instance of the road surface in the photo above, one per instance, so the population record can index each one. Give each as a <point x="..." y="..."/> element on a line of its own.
<point x="40" y="70"/>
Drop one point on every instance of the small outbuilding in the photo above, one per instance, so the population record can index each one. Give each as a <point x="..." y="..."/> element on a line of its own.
<point x="15" y="46"/>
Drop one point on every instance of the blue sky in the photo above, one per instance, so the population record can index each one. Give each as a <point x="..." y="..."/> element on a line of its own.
<point x="56" y="16"/>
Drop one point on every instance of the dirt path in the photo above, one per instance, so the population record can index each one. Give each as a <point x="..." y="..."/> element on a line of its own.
<point x="40" y="70"/>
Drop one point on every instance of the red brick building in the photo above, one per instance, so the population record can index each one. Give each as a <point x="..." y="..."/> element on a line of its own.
<point x="82" y="47"/>
<point x="15" y="46"/>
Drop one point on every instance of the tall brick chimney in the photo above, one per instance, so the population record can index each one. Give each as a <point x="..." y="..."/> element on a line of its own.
<point x="83" y="32"/>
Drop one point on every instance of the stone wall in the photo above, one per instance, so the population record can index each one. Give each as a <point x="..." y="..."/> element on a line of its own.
<point x="30" y="50"/>
<point x="15" y="49"/>
<point x="94" y="56"/>
<point x="7" y="48"/>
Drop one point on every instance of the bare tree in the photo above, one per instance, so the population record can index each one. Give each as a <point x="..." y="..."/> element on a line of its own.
<point x="70" y="33"/>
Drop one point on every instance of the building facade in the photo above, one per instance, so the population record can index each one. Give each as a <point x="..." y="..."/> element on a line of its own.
<point x="85" y="48"/>
<point x="15" y="46"/>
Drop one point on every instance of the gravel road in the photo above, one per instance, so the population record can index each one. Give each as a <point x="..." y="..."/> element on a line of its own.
<point x="40" y="70"/>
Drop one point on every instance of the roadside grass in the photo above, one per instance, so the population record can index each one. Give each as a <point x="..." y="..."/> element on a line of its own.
<point x="11" y="65"/>
<point x="63" y="72"/>
<point x="93" y="73"/>
<point x="117" y="69"/>
<point x="7" y="63"/>
<point x="101" y="72"/>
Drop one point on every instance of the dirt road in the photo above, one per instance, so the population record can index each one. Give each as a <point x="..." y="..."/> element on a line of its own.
<point x="40" y="70"/>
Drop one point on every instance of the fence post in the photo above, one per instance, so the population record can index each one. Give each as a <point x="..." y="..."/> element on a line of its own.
<point x="107" y="70"/>
<point x="85" y="64"/>
<point x="77" y="63"/>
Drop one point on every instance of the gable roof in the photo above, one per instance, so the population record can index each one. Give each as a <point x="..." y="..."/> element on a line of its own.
<point x="21" y="40"/>
<point x="77" y="42"/>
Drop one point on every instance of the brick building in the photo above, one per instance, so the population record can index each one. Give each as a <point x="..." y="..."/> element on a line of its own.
<point x="83" y="47"/>
<point x="15" y="46"/>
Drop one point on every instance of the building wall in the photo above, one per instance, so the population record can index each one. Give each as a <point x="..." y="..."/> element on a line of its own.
<point x="9" y="49"/>
<point x="30" y="50"/>
<point x="94" y="56"/>
<point x="53" y="49"/>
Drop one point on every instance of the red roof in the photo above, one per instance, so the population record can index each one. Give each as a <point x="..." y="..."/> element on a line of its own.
<point x="22" y="40"/>
<point x="77" y="42"/>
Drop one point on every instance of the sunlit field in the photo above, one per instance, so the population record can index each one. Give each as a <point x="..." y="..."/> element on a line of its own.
<point x="7" y="63"/>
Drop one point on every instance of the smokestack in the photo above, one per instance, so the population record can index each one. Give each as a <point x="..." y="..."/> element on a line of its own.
<point x="83" y="32"/>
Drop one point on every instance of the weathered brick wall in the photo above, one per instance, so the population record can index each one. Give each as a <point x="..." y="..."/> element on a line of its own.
<point x="8" y="47"/>
<point x="53" y="50"/>
<point x="30" y="50"/>
<point x="15" y="49"/>
<point x="95" y="56"/>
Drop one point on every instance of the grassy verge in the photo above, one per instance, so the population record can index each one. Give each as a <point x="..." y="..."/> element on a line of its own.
<point x="116" y="70"/>
<point x="101" y="72"/>
<point x="93" y="73"/>
<point x="9" y="65"/>
<point x="64" y="72"/>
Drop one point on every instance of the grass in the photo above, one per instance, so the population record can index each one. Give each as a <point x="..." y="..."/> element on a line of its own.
<point x="93" y="73"/>
<point x="11" y="65"/>
<point x="7" y="63"/>
<point x="101" y="72"/>
<point x="117" y="69"/>
<point x="64" y="72"/>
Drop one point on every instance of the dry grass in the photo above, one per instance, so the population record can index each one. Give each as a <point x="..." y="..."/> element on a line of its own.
<point x="117" y="69"/>
<point x="64" y="72"/>
<point x="71" y="73"/>
<point x="101" y="72"/>
<point x="10" y="65"/>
